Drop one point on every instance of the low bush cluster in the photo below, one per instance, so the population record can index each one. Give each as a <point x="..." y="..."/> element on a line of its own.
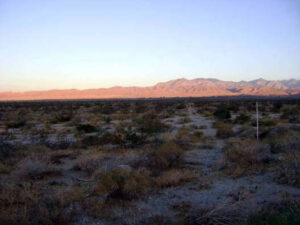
<point x="246" y="156"/>
<point x="175" y="177"/>
<point x="86" y="128"/>
<point x="222" y="113"/>
<point x="224" y="130"/>
<point x="91" y="162"/>
<point x="166" y="156"/>
<point x="242" y="118"/>
<point x="26" y="204"/>
<point x="122" y="184"/>
<point x="150" y="124"/>
<point x="34" y="168"/>
<point x="284" y="141"/>
<point x="288" y="171"/>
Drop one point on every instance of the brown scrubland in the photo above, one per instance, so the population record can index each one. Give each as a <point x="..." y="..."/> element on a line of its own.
<point x="160" y="161"/>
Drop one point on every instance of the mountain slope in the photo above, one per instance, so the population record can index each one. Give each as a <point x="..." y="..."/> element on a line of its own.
<point x="174" y="88"/>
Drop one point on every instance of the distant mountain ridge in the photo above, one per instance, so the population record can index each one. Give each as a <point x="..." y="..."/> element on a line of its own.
<point x="200" y="87"/>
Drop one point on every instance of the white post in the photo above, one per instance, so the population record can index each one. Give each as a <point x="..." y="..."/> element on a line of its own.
<point x="257" y="120"/>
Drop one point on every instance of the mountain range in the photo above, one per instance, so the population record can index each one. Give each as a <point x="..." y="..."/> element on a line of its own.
<point x="199" y="87"/>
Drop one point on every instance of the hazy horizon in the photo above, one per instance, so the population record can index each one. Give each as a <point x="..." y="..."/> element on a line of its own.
<point x="100" y="44"/>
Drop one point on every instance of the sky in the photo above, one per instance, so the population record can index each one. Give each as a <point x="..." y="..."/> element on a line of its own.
<point x="61" y="44"/>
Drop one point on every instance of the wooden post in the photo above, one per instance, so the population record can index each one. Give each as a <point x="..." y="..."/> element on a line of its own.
<point x="257" y="133"/>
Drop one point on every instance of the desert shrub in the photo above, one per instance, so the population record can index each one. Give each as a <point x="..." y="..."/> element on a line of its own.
<point x="196" y="136"/>
<point x="124" y="184"/>
<point x="181" y="106"/>
<point x="62" y="142"/>
<point x="277" y="106"/>
<point x="288" y="171"/>
<point x="16" y="124"/>
<point x="224" y="130"/>
<point x="121" y="116"/>
<point x="57" y="157"/>
<point x="87" y="141"/>
<point x="90" y="162"/>
<point x="183" y="137"/>
<point x="106" y="119"/>
<point x="62" y="117"/>
<point x="222" y="215"/>
<point x="242" y="118"/>
<point x="166" y="156"/>
<point x="149" y="124"/>
<point x="126" y="135"/>
<point x="182" y="132"/>
<point x="3" y="168"/>
<point x="268" y="122"/>
<point x="86" y="128"/>
<point x="158" y="220"/>
<point x="25" y="204"/>
<point x="246" y="156"/>
<point x="291" y="114"/>
<point x="107" y="108"/>
<point x="34" y="168"/>
<point x="282" y="213"/>
<point x="175" y="177"/>
<point x="207" y="142"/>
<point x="284" y="142"/>
<point x="222" y="113"/>
<point x="185" y="120"/>
<point x="6" y="151"/>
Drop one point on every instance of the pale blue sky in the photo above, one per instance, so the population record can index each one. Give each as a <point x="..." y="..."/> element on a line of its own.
<point x="92" y="44"/>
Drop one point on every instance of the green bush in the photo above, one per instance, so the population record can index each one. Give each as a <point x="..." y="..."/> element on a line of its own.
<point x="149" y="124"/>
<point x="222" y="113"/>
<point x="242" y="118"/>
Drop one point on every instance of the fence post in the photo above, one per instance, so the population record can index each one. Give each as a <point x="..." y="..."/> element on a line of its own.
<point x="257" y="126"/>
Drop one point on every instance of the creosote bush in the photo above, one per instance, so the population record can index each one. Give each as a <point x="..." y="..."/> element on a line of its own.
<point x="18" y="123"/>
<point x="149" y="123"/>
<point x="268" y="122"/>
<point x="283" y="213"/>
<point x="222" y="113"/>
<point x="219" y="215"/>
<point x="168" y="155"/>
<point x="175" y="177"/>
<point x="284" y="141"/>
<point x="224" y="130"/>
<point x="126" y="135"/>
<point x="91" y="162"/>
<point x="34" y="168"/>
<point x="242" y="118"/>
<point x="26" y="204"/>
<point x="288" y="170"/>
<point x="122" y="184"/>
<point x="246" y="156"/>
<point x="86" y="128"/>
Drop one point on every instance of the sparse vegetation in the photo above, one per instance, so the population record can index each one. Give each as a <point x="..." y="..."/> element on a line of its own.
<point x="86" y="128"/>
<point x="167" y="156"/>
<point x="175" y="177"/>
<point x="246" y="156"/>
<point x="165" y="161"/>
<point x="122" y="183"/>
<point x="224" y="130"/>
<point x="288" y="171"/>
